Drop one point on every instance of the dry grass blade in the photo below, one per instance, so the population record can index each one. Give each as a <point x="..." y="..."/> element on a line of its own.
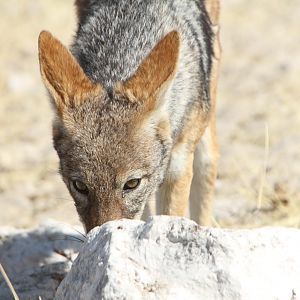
<point x="264" y="171"/>
<point x="9" y="284"/>
<point x="215" y="222"/>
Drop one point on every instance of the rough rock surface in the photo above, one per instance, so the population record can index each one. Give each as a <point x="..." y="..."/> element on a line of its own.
<point x="259" y="86"/>
<point x="36" y="261"/>
<point x="173" y="258"/>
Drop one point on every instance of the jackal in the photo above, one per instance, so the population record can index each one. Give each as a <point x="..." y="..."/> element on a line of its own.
<point x="134" y="103"/>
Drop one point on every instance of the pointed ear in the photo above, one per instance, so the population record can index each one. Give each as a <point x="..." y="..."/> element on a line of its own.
<point x="62" y="75"/>
<point x="156" y="72"/>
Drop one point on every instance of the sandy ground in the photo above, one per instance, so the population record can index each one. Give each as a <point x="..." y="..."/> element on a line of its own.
<point x="258" y="115"/>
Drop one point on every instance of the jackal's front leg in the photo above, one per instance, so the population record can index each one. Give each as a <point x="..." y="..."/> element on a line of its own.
<point x="174" y="193"/>
<point x="205" y="171"/>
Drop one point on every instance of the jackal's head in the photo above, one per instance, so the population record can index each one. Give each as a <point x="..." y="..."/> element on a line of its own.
<point x="113" y="144"/>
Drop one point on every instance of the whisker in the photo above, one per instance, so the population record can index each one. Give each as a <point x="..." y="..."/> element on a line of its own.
<point x="68" y="238"/>
<point x="82" y="234"/>
<point x="76" y="238"/>
<point x="73" y="228"/>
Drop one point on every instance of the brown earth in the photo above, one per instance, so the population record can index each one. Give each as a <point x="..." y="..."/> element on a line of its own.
<point x="258" y="115"/>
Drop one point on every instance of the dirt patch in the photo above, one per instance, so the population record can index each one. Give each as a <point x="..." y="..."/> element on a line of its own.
<point x="258" y="101"/>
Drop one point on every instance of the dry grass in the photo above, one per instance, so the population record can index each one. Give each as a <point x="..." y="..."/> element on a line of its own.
<point x="264" y="170"/>
<point x="8" y="282"/>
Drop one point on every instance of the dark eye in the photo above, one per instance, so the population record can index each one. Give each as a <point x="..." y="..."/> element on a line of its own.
<point x="132" y="184"/>
<point x="80" y="187"/>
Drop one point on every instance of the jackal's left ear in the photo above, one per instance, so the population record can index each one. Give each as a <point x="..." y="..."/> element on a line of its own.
<point x="156" y="72"/>
<point x="62" y="75"/>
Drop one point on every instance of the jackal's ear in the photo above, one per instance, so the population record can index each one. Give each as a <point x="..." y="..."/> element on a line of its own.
<point x="156" y="72"/>
<point x="62" y="75"/>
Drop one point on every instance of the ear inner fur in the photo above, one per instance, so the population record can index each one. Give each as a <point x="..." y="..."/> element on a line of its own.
<point x="62" y="75"/>
<point x="156" y="70"/>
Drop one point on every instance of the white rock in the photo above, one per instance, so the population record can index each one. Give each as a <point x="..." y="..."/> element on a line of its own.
<point x="36" y="260"/>
<point x="173" y="258"/>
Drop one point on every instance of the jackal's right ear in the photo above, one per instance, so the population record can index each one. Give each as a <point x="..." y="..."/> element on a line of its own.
<point x="156" y="72"/>
<point x="62" y="75"/>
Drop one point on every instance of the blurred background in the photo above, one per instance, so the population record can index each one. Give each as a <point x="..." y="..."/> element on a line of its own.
<point x="258" y="115"/>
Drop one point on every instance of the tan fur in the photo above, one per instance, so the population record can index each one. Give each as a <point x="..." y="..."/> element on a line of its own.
<point x="155" y="71"/>
<point x="207" y="152"/>
<point x="213" y="9"/>
<point x="174" y="194"/>
<point x="62" y="75"/>
<point x="108" y="212"/>
<point x="198" y="181"/>
<point x="205" y="171"/>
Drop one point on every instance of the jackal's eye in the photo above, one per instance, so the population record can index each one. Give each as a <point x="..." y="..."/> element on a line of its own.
<point x="80" y="187"/>
<point x="132" y="184"/>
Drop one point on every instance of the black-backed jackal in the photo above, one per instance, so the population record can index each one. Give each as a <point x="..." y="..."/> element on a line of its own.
<point x="134" y="104"/>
